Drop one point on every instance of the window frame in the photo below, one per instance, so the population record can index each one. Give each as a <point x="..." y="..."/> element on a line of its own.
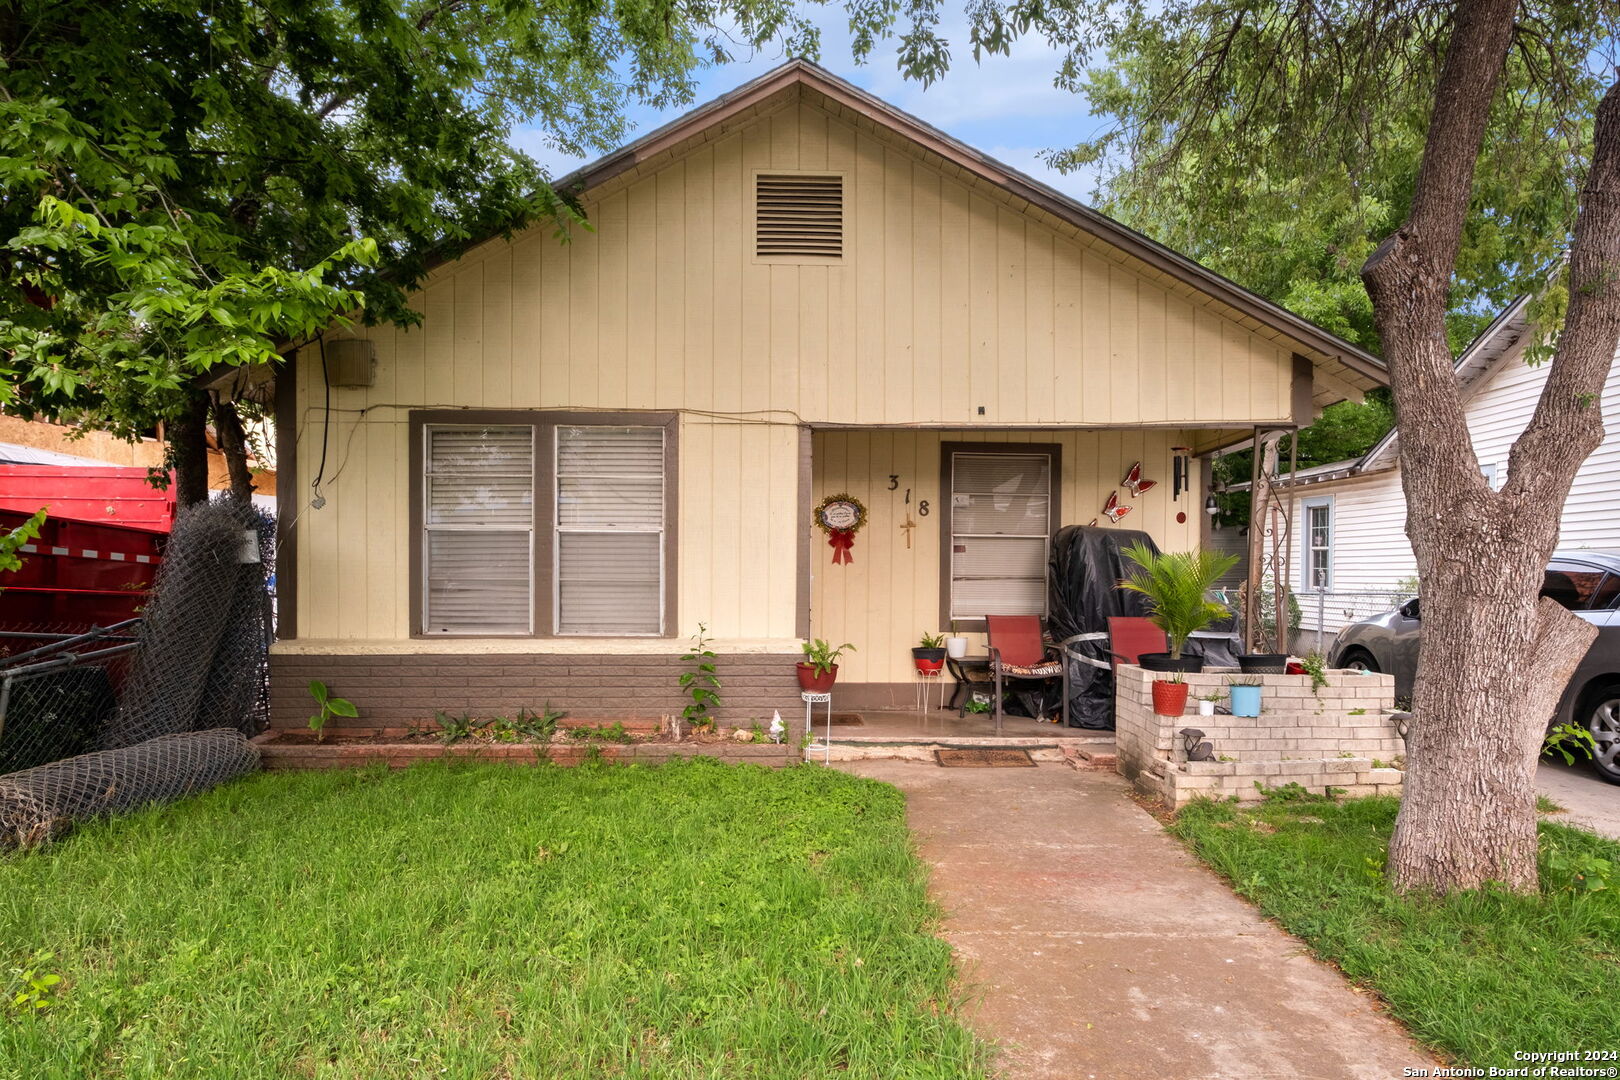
<point x="947" y="513"/>
<point x="543" y="551"/>
<point x="1317" y="502"/>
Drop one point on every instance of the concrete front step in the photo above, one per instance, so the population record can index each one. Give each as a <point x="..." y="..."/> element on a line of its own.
<point x="1098" y="752"/>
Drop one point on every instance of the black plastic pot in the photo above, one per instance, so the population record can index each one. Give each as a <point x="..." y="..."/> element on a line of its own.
<point x="1160" y="661"/>
<point x="1263" y="663"/>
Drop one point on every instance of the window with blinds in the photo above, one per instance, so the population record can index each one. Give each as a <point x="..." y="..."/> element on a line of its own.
<point x="479" y="523"/>
<point x="610" y="530"/>
<point x="1001" y="506"/>
<point x="1318" y="545"/>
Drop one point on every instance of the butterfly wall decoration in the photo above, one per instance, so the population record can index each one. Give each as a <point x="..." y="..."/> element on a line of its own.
<point x="1133" y="480"/>
<point x="1112" y="508"/>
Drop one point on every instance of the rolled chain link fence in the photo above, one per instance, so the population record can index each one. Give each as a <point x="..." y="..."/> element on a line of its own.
<point x="149" y="711"/>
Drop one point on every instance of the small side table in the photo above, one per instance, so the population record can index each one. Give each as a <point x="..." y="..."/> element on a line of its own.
<point x="811" y="700"/>
<point x="970" y="672"/>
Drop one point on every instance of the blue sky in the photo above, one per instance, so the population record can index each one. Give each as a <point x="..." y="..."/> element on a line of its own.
<point x="1007" y="107"/>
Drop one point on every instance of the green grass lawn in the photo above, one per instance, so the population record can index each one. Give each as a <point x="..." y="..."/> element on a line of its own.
<point x="692" y="920"/>
<point x="1478" y="975"/>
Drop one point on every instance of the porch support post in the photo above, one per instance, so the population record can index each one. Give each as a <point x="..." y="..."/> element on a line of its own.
<point x="1268" y="547"/>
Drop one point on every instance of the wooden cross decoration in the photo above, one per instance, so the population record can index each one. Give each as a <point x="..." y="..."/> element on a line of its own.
<point x="907" y="526"/>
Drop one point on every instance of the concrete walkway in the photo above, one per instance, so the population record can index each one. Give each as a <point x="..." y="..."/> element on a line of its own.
<point x="1098" y="949"/>
<point x="1589" y="801"/>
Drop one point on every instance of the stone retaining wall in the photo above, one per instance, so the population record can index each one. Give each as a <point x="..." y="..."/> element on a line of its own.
<point x="1341" y="736"/>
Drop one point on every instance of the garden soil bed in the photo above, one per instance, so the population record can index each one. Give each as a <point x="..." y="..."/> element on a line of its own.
<point x="357" y="747"/>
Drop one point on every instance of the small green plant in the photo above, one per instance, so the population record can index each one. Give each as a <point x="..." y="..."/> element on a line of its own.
<point x="1569" y="742"/>
<point x="452" y="729"/>
<point x="1244" y="680"/>
<point x="539" y="726"/>
<point x="1575" y="871"/>
<point x="932" y="641"/>
<point x="977" y="705"/>
<point x="612" y="733"/>
<point x="1213" y="695"/>
<point x="29" y="987"/>
<point x="1174" y="678"/>
<point x="701" y="683"/>
<point x="1545" y="805"/>
<point x="1315" y="666"/>
<point x="822" y="656"/>
<point x="757" y="730"/>
<point x="1175" y="584"/>
<point x="1291" y="792"/>
<point x="1358" y="712"/>
<point x="329" y="706"/>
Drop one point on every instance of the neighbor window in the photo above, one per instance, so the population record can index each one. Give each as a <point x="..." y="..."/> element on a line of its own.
<point x="1319" y="544"/>
<point x="548" y="527"/>
<point x="1000" y="516"/>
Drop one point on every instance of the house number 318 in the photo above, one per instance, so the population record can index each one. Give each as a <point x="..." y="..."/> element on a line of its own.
<point x="894" y="485"/>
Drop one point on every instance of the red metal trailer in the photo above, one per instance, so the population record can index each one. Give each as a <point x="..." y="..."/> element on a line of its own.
<point x="95" y="559"/>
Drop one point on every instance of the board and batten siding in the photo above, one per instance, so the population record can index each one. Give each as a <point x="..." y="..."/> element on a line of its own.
<point x="1371" y="553"/>
<point x="949" y="308"/>
<point x="885" y="600"/>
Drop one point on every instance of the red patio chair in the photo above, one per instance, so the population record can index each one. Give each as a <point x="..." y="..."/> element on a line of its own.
<point x="1018" y="653"/>
<point x="1129" y="636"/>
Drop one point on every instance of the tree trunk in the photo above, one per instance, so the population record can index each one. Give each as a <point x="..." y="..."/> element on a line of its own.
<point x="233" y="446"/>
<point x="1493" y="658"/>
<point x="187" y="435"/>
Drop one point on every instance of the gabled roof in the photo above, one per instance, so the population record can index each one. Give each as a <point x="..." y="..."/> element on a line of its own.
<point x="1346" y="369"/>
<point x="1483" y="358"/>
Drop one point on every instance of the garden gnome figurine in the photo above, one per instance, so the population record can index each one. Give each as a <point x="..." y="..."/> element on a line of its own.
<point x="778" y="729"/>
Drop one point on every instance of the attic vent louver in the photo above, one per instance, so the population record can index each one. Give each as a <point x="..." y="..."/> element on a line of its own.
<point x="798" y="217"/>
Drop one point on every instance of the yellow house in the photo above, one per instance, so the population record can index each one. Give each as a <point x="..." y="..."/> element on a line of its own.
<point x="590" y="448"/>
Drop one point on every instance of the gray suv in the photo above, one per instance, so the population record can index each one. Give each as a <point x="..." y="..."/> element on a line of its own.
<point x="1586" y="582"/>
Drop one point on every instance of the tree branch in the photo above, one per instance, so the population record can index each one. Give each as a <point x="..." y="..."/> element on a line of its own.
<point x="1568" y="422"/>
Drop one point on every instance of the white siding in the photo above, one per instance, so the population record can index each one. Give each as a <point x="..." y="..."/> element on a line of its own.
<point x="1371" y="554"/>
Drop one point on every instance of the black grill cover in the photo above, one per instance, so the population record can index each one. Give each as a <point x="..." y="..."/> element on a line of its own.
<point x="1086" y="568"/>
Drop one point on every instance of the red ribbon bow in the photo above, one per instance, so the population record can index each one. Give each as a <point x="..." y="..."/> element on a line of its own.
<point x="841" y="540"/>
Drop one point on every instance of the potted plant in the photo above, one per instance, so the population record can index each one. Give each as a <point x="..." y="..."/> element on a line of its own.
<point x="819" y="668"/>
<point x="1245" y="696"/>
<point x="1175" y="584"/>
<point x="929" y="654"/>
<point x="1206" y="704"/>
<point x="956" y="645"/>
<point x="1263" y="663"/>
<point x="1170" y="695"/>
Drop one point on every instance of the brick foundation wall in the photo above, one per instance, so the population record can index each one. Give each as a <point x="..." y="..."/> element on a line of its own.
<point x="1327" y="739"/>
<point x="398" y="689"/>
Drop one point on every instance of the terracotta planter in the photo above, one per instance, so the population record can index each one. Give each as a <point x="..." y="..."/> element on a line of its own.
<point x="1169" y="698"/>
<point x="928" y="661"/>
<point x="812" y="683"/>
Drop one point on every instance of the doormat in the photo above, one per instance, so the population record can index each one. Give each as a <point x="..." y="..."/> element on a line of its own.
<point x="977" y="758"/>
<point x="847" y="719"/>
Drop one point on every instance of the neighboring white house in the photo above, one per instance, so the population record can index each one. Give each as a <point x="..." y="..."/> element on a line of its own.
<point x="1350" y="556"/>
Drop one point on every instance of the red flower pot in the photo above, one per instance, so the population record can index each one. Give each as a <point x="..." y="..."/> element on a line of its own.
<point x="813" y="683"/>
<point x="1169" y="698"/>
<point x="927" y="660"/>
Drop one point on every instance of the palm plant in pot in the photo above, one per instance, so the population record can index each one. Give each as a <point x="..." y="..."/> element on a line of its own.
<point x="929" y="653"/>
<point x="1175" y="584"/>
<point x="819" y="668"/>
